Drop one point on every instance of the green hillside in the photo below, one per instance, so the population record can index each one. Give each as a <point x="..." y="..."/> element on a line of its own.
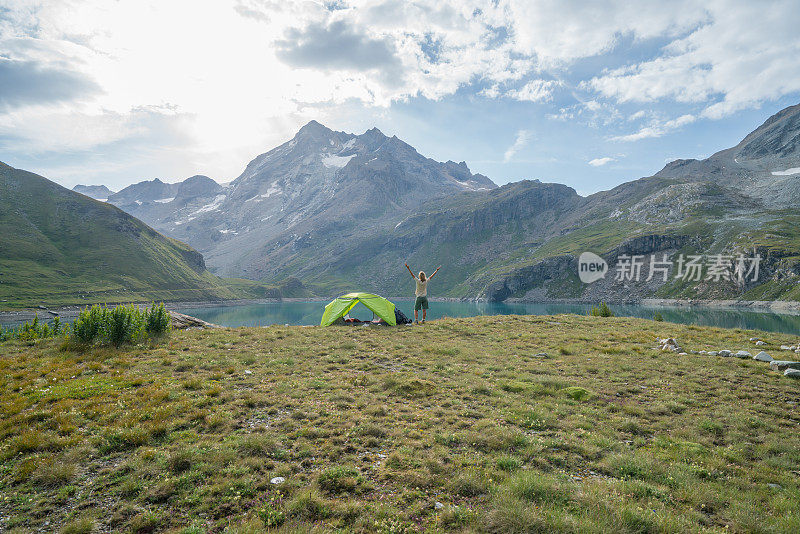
<point x="61" y="247"/>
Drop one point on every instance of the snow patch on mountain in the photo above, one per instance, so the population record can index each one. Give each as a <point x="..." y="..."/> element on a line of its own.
<point x="213" y="206"/>
<point x="164" y="200"/>
<point x="337" y="161"/>
<point x="787" y="172"/>
<point x="274" y="189"/>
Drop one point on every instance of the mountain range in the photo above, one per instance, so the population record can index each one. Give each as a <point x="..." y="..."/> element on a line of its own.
<point x="341" y="212"/>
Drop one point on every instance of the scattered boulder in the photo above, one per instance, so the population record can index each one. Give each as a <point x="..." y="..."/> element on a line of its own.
<point x="438" y="505"/>
<point x="780" y="365"/>
<point x="277" y="480"/>
<point x="248" y="372"/>
<point x="743" y="354"/>
<point x="763" y="357"/>
<point x="760" y="343"/>
<point x="180" y="321"/>
<point x="725" y="353"/>
<point x="668" y="344"/>
<point x="712" y="353"/>
<point x="792" y="373"/>
<point x="788" y="347"/>
<point x="754" y="339"/>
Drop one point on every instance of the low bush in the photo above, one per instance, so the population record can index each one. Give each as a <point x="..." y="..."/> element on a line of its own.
<point x="34" y="330"/>
<point x="90" y="324"/>
<point x="601" y="311"/>
<point x="157" y="321"/>
<point x="119" y="325"/>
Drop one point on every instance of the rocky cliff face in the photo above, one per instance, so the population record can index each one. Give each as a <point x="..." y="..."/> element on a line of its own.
<point x="97" y="192"/>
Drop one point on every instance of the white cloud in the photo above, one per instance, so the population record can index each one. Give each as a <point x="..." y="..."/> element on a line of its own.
<point x="523" y="137"/>
<point x="233" y="77"/>
<point x="657" y="128"/>
<point x="742" y="54"/>
<point x="599" y="162"/>
<point x="535" y="91"/>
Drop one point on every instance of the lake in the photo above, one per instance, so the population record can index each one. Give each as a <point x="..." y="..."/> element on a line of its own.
<point x="309" y="313"/>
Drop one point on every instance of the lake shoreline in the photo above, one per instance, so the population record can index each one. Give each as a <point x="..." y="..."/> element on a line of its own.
<point x="20" y="316"/>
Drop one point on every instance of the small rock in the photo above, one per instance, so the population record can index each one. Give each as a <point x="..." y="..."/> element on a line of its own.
<point x="248" y="372"/>
<point x="781" y="365"/>
<point x="797" y="351"/>
<point x="725" y="353"/>
<point x="277" y="480"/>
<point x="775" y="486"/>
<point x="792" y="373"/>
<point x="682" y="354"/>
<point x="541" y="355"/>
<point x="763" y="357"/>
<point x="712" y="353"/>
<point x="743" y="354"/>
<point x="760" y="343"/>
<point x="438" y="505"/>
<point x="786" y="347"/>
<point x="753" y="339"/>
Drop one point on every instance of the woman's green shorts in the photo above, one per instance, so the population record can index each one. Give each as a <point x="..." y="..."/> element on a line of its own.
<point x="421" y="303"/>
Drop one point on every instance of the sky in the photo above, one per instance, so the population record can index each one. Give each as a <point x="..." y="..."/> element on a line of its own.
<point x="586" y="93"/>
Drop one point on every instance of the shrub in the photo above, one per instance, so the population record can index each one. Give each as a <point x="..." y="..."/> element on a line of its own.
<point x="119" y="325"/>
<point x="658" y="317"/>
<point x="90" y="324"/>
<point x="601" y="311"/>
<point x="125" y="324"/>
<point x="157" y="320"/>
<point x="34" y="330"/>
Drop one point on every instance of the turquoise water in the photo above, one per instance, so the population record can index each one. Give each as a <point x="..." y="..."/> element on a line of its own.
<point x="309" y="313"/>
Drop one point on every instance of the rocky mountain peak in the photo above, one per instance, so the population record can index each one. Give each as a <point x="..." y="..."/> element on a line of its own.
<point x="778" y="137"/>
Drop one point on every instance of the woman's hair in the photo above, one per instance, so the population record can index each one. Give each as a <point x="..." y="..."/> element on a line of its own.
<point x="422" y="276"/>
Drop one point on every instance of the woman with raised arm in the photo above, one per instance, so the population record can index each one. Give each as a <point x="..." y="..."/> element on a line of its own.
<point x="421" y="292"/>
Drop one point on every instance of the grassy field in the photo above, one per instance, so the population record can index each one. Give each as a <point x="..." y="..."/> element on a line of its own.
<point x="493" y="424"/>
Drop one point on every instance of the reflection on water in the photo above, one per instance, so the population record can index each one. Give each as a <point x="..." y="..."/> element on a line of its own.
<point x="309" y="313"/>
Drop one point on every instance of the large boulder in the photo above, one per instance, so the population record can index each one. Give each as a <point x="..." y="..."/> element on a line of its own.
<point x="743" y="354"/>
<point x="792" y="373"/>
<point x="781" y="365"/>
<point x="763" y="357"/>
<point x="180" y="322"/>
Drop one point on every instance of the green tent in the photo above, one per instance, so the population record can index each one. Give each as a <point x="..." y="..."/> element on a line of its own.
<point x="341" y="305"/>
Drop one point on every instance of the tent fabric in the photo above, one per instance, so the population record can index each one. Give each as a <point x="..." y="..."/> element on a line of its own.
<point x="339" y="307"/>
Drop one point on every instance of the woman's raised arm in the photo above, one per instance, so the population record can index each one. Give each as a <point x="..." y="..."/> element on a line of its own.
<point x="410" y="271"/>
